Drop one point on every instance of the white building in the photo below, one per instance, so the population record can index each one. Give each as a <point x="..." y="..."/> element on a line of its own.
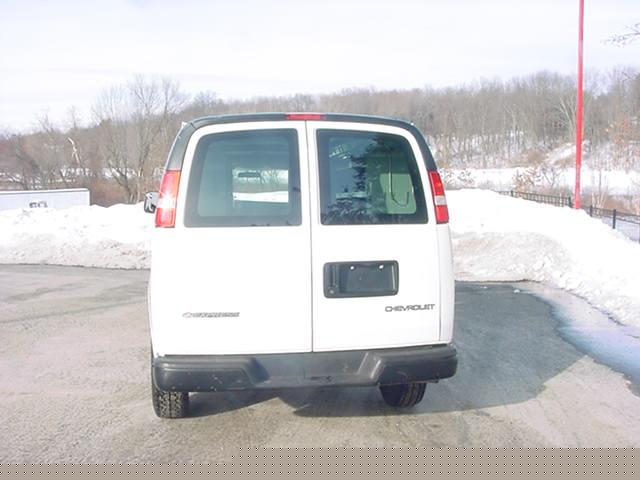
<point x="62" y="198"/>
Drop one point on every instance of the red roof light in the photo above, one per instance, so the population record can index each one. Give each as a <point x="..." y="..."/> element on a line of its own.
<point x="306" y="116"/>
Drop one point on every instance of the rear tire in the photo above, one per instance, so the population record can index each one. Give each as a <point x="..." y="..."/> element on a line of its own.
<point x="403" y="395"/>
<point x="169" y="404"/>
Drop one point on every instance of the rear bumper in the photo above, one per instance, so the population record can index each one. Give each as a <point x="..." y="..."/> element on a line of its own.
<point x="206" y="373"/>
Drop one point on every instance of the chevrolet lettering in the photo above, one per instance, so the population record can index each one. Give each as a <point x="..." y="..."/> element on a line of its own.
<point x="406" y="308"/>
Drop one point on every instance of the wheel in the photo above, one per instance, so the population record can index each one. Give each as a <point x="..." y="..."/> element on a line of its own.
<point x="169" y="404"/>
<point x="403" y="395"/>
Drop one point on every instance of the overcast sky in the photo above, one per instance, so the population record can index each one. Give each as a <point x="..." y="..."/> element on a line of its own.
<point x="55" y="54"/>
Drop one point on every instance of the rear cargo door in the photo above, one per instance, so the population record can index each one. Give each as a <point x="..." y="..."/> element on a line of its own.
<point x="374" y="244"/>
<point x="236" y="267"/>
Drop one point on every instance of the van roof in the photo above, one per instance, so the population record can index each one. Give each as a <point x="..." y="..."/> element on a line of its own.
<point x="176" y="155"/>
<point x="276" y="116"/>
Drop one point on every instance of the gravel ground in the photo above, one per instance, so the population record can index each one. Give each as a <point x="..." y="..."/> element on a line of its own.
<point x="74" y="378"/>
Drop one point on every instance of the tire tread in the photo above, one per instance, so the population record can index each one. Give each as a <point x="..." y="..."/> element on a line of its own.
<point x="403" y="395"/>
<point x="169" y="404"/>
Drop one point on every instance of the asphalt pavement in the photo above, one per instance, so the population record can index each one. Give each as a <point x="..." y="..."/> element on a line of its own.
<point x="74" y="383"/>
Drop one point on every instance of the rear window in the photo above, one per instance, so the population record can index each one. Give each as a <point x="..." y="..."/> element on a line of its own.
<point x="248" y="178"/>
<point x="368" y="178"/>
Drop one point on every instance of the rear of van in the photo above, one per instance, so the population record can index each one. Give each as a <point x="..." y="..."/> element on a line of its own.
<point x="300" y="250"/>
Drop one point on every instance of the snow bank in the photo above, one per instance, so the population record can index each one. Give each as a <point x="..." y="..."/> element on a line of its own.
<point x="495" y="238"/>
<point x="114" y="237"/>
<point x="500" y="238"/>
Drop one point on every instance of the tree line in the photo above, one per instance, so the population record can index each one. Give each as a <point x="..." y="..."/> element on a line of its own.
<point x="487" y="123"/>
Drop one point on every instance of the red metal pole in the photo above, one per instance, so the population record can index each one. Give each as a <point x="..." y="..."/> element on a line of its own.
<point x="577" y="202"/>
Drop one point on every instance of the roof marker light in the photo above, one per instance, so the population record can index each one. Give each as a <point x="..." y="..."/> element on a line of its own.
<point x="306" y="116"/>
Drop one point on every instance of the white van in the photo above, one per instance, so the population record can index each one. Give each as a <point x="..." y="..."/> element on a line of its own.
<point x="299" y="250"/>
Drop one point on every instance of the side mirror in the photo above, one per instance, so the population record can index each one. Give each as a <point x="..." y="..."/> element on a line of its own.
<point x="150" y="202"/>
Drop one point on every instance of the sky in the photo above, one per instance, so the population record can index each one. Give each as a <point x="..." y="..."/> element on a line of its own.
<point x="59" y="54"/>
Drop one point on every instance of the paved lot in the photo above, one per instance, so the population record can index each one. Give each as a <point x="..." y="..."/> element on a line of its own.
<point x="74" y="383"/>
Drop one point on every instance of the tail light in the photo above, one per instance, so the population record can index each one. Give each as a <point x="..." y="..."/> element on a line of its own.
<point x="439" y="199"/>
<point x="166" y="209"/>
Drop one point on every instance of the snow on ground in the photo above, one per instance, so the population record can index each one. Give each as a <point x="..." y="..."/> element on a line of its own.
<point x="114" y="237"/>
<point x="495" y="238"/>
<point x="500" y="238"/>
<point x="614" y="182"/>
<point x="602" y="171"/>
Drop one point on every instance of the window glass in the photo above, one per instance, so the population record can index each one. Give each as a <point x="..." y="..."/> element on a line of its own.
<point x="248" y="178"/>
<point x="368" y="178"/>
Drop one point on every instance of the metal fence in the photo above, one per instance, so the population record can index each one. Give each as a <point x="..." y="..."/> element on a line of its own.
<point x="625" y="222"/>
<point x="537" y="197"/>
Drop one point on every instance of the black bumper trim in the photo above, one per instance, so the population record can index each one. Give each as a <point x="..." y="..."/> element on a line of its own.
<point x="207" y="373"/>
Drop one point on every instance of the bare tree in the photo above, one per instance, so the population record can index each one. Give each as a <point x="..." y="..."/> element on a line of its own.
<point x="135" y="124"/>
<point x="488" y="123"/>
<point x="631" y="35"/>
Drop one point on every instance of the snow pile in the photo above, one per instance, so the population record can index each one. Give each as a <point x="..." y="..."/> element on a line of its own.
<point x="500" y="238"/>
<point x="495" y="238"/>
<point x="114" y="237"/>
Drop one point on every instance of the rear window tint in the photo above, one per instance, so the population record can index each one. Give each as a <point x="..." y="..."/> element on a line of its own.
<point x="368" y="178"/>
<point x="248" y="178"/>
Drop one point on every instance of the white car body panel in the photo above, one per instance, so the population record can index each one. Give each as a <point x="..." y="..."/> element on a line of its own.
<point x="447" y="283"/>
<point x="259" y="272"/>
<point x="363" y="322"/>
<point x="272" y="276"/>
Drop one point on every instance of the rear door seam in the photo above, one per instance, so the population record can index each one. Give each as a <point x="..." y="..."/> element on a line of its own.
<point x="311" y="189"/>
